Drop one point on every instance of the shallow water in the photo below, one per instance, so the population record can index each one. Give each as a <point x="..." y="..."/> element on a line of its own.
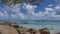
<point x="54" y="26"/>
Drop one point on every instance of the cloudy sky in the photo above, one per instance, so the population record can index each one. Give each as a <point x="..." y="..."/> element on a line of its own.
<point x="48" y="10"/>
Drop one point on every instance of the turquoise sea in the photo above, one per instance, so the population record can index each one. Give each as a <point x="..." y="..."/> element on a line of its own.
<point x="53" y="25"/>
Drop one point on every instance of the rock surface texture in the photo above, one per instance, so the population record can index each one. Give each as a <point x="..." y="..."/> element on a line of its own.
<point x="7" y="30"/>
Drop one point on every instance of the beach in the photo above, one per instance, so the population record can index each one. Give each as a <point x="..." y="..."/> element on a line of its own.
<point x="52" y="26"/>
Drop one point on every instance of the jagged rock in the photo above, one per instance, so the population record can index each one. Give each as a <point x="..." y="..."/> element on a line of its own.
<point x="22" y="30"/>
<point x="7" y="23"/>
<point x="15" y="25"/>
<point x="44" y="31"/>
<point x="7" y="30"/>
<point x="32" y="31"/>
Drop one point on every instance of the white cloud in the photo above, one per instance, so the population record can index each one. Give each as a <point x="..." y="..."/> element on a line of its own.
<point x="15" y="12"/>
<point x="6" y="14"/>
<point x="20" y="15"/>
<point x="39" y="14"/>
<point x="13" y="16"/>
<point x="57" y="1"/>
<point x="49" y="9"/>
<point x="1" y="14"/>
<point x="56" y="16"/>
<point x="50" y="5"/>
<point x="30" y="8"/>
<point x="57" y="7"/>
<point x="53" y="12"/>
<point x="14" y="9"/>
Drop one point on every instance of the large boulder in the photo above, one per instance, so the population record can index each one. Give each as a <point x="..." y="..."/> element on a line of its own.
<point x="32" y="31"/>
<point x="27" y="33"/>
<point x="37" y="32"/>
<point x="57" y="33"/>
<point x="7" y="30"/>
<point x="44" y="31"/>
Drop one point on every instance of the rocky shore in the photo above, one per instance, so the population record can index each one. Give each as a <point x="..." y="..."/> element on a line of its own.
<point x="14" y="28"/>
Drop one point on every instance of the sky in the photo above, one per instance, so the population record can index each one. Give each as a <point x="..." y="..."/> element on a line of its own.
<point x="48" y="10"/>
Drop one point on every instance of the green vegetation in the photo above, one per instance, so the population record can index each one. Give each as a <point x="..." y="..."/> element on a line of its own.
<point x="17" y="1"/>
<point x="10" y="2"/>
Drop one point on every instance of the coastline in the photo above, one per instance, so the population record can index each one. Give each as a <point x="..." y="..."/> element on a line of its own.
<point x="23" y="30"/>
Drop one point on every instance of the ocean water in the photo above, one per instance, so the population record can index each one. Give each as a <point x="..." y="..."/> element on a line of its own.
<point x="53" y="25"/>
